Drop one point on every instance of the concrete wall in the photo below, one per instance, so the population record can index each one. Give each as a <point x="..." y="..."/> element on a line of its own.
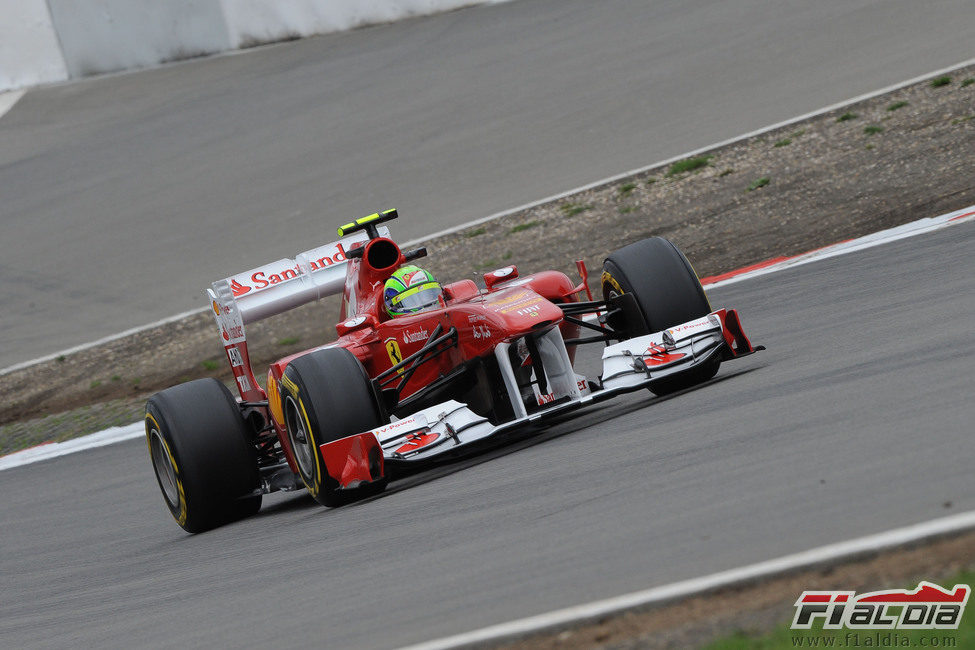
<point x="252" y="22"/>
<point x="51" y="40"/>
<point x="29" y="50"/>
<point x="108" y="35"/>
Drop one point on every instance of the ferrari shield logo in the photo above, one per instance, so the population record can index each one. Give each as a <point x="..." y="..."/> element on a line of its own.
<point x="395" y="356"/>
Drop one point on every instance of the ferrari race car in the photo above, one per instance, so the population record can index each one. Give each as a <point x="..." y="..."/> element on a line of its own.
<point x="394" y="394"/>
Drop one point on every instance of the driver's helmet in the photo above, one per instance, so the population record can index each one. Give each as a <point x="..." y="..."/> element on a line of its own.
<point x="410" y="290"/>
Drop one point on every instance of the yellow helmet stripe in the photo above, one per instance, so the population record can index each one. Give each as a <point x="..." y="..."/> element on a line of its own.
<point x="398" y="298"/>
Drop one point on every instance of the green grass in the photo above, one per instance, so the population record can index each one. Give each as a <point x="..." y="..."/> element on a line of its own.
<point x="962" y="120"/>
<point x="760" y="182"/>
<point x="846" y="117"/>
<point x="210" y="364"/>
<point x="116" y="378"/>
<point x="627" y="209"/>
<point x="525" y="226"/>
<point x="507" y="255"/>
<point x="726" y="172"/>
<point x="783" y="637"/>
<point x="651" y="181"/>
<point x="967" y="82"/>
<point x="938" y="82"/>
<point x="872" y="129"/>
<point x="489" y="264"/>
<point x="572" y="209"/>
<point x="869" y="147"/>
<point x="798" y="134"/>
<point x="785" y="142"/>
<point x="94" y="384"/>
<point x="289" y="340"/>
<point x="896" y="105"/>
<point x="626" y="188"/>
<point x="476" y="232"/>
<point x="689" y="165"/>
<point x="60" y="358"/>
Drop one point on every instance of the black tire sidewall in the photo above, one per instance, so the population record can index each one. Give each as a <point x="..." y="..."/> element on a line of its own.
<point x="203" y="429"/>
<point x="662" y="281"/>
<point x="335" y="398"/>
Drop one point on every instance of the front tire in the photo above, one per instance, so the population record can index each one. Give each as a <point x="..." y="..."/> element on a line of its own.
<point x="327" y="395"/>
<point x="667" y="293"/>
<point x="206" y="469"/>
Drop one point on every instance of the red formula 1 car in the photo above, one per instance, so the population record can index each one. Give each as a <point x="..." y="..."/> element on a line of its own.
<point x="395" y="393"/>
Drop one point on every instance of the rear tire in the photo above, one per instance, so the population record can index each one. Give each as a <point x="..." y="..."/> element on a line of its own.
<point x="666" y="290"/>
<point x="205" y="467"/>
<point x="330" y="396"/>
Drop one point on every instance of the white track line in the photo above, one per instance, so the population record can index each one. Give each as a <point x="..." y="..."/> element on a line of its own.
<point x="9" y="99"/>
<point x="556" y="197"/>
<point x="54" y="449"/>
<point x="695" y="586"/>
<point x="919" y="227"/>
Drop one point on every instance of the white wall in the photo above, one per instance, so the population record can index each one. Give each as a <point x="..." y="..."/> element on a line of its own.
<point x="29" y="50"/>
<point x="108" y="35"/>
<point x="251" y="22"/>
<point x="51" y="40"/>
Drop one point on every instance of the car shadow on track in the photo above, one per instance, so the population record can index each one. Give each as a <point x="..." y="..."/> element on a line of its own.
<point x="554" y="429"/>
<point x="507" y="444"/>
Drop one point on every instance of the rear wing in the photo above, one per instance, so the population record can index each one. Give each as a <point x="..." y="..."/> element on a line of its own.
<point x="274" y="289"/>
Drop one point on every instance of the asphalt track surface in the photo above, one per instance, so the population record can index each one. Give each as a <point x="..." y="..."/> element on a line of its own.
<point x="856" y="420"/>
<point x="121" y="197"/>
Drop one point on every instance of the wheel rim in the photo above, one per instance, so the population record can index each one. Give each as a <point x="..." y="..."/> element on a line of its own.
<point x="162" y="463"/>
<point x="300" y="440"/>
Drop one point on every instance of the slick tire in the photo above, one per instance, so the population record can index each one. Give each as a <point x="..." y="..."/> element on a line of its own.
<point x="666" y="290"/>
<point x="206" y="469"/>
<point x="327" y="395"/>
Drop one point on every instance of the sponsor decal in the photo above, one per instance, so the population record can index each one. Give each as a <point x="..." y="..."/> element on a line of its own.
<point x="475" y="318"/>
<point x="481" y="332"/>
<point x="395" y="354"/>
<point x="516" y="297"/>
<point x="417" y="441"/>
<point x="928" y="607"/>
<point x="530" y="311"/>
<point x="233" y="334"/>
<point x="244" y="383"/>
<point x="606" y="278"/>
<point x="289" y="385"/>
<point x="685" y="330"/>
<point x="658" y="355"/>
<point x="236" y="360"/>
<point x="216" y="307"/>
<point x="419" y="336"/>
<point x="415" y="422"/>
<point x="414" y="277"/>
<point x="266" y="276"/>
<point x="544" y="399"/>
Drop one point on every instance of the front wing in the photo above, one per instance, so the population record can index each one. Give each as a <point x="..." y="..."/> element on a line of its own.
<point x="450" y="429"/>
